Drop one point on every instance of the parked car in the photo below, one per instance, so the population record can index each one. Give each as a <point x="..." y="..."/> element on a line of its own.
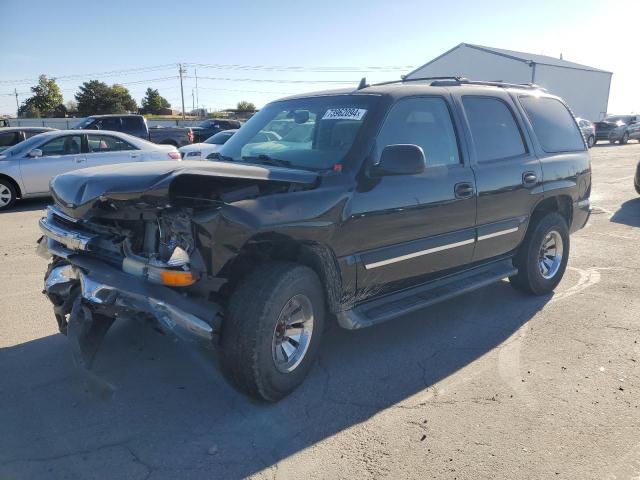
<point x="207" y="128"/>
<point x="10" y="136"/>
<point x="618" y="128"/>
<point x="409" y="194"/>
<point x="136" y="125"/>
<point x="588" y="131"/>
<point x="27" y="168"/>
<point x="200" y="151"/>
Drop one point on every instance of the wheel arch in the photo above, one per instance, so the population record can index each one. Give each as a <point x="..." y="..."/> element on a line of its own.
<point x="13" y="182"/>
<point x="561" y="203"/>
<point x="278" y="247"/>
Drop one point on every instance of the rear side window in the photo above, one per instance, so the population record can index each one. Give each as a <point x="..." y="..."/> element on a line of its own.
<point x="495" y="133"/>
<point x="107" y="143"/>
<point x="553" y="124"/>
<point x="425" y="122"/>
<point x="132" y="124"/>
<point x="113" y="124"/>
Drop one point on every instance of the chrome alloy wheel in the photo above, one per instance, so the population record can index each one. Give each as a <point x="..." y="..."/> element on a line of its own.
<point x="5" y="195"/>
<point x="550" y="256"/>
<point x="292" y="334"/>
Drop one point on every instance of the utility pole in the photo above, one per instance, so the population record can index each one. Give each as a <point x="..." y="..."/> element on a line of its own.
<point x="15" y="90"/>
<point x="195" y="72"/>
<point x="193" y="100"/>
<point x="181" y="71"/>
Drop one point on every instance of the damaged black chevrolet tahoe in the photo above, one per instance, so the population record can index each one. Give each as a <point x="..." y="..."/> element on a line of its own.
<point x="366" y="205"/>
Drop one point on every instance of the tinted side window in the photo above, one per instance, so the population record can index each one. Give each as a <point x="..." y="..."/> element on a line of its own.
<point x="132" y="124"/>
<point x="32" y="133"/>
<point x="111" y="124"/>
<point x="8" y="139"/>
<point x="553" y="124"/>
<point x="425" y="122"/>
<point x="494" y="129"/>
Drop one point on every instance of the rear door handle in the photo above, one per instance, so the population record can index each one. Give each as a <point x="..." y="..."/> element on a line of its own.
<point x="529" y="179"/>
<point x="463" y="190"/>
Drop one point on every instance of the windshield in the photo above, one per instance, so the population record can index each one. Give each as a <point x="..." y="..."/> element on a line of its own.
<point x="84" y="123"/>
<point x="23" y="146"/>
<point x="310" y="133"/>
<point x="219" y="138"/>
<point x="618" y="118"/>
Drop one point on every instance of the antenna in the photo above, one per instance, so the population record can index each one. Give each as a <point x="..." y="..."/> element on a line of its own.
<point x="363" y="83"/>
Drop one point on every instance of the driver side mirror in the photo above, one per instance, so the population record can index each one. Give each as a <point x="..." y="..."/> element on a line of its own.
<point x="35" y="153"/>
<point x="400" y="159"/>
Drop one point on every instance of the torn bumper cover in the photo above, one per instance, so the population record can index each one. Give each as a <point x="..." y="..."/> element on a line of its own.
<point x="88" y="295"/>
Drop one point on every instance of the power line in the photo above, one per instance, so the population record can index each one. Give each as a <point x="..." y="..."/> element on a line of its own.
<point x="270" y="80"/>
<point x="111" y="73"/>
<point x="284" y="68"/>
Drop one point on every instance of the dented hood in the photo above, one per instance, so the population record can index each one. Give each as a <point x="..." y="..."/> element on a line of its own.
<point x="150" y="181"/>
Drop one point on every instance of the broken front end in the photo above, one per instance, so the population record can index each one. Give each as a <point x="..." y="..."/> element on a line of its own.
<point x="107" y="269"/>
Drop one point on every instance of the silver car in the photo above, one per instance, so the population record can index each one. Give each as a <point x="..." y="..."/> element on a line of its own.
<point x="588" y="130"/>
<point x="27" y="168"/>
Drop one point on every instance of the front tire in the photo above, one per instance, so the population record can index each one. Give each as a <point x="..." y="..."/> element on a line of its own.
<point x="591" y="141"/>
<point x="624" y="139"/>
<point x="542" y="258"/>
<point x="7" y="194"/>
<point x="273" y="329"/>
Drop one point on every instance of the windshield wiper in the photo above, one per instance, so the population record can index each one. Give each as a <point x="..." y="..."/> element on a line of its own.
<point x="267" y="160"/>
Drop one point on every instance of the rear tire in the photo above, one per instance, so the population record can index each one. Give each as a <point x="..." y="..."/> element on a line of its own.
<point x="272" y="330"/>
<point x="7" y="194"/>
<point x="540" y="267"/>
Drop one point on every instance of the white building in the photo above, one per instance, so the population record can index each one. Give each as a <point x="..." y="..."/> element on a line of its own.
<point x="585" y="89"/>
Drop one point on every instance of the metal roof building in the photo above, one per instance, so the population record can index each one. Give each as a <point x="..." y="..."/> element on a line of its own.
<point x="584" y="88"/>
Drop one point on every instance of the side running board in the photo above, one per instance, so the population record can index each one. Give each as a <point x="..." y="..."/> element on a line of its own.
<point x="400" y="303"/>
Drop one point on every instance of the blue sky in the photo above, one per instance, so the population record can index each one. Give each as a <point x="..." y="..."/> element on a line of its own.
<point x="78" y="38"/>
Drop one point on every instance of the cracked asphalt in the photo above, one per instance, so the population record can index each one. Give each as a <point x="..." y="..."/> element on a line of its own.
<point x="495" y="384"/>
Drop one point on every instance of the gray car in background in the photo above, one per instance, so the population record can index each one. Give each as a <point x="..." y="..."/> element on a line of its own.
<point x="27" y="168"/>
<point x="588" y="130"/>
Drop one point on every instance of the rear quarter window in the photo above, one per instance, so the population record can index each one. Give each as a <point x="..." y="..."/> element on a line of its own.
<point x="495" y="132"/>
<point x="553" y="124"/>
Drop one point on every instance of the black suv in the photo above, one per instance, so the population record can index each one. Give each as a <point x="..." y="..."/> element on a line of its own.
<point x="376" y="203"/>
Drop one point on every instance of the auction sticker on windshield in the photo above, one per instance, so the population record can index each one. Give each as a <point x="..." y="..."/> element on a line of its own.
<point x="344" y="114"/>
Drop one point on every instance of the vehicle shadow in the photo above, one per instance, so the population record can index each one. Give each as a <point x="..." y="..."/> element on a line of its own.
<point x="172" y="410"/>
<point x="28" y="205"/>
<point x="628" y="213"/>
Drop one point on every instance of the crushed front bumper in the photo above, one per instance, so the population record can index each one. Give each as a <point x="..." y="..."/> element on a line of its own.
<point x="89" y="294"/>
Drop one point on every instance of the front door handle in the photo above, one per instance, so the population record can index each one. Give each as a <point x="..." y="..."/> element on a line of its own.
<point x="529" y="179"/>
<point x="463" y="190"/>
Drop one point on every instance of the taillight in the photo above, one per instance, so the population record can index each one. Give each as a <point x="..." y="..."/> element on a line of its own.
<point x="190" y="136"/>
<point x="175" y="156"/>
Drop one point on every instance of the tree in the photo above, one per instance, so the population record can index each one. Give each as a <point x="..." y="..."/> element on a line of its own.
<point x="245" y="106"/>
<point x="97" y="98"/>
<point x="153" y="102"/>
<point x="45" y="100"/>
<point x="72" y="107"/>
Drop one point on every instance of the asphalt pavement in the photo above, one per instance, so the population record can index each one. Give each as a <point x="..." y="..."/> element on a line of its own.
<point x="495" y="384"/>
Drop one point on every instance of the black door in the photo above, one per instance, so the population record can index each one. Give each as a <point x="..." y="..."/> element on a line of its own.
<point x="406" y="227"/>
<point x="508" y="174"/>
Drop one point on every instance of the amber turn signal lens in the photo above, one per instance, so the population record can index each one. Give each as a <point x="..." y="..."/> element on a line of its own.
<point x="173" y="278"/>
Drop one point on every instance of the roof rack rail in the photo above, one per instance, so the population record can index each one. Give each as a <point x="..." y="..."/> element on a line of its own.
<point x="529" y="86"/>
<point x="452" y="80"/>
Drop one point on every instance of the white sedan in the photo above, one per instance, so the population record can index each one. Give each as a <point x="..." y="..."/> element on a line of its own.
<point x="200" y="151"/>
<point x="27" y="168"/>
